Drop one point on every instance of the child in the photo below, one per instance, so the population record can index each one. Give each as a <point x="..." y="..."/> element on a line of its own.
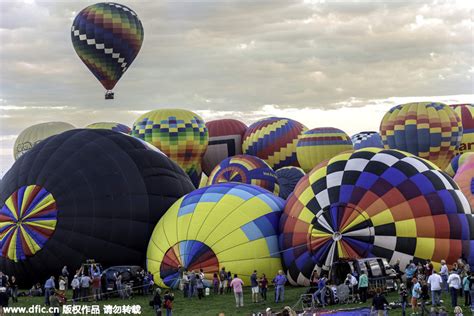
<point x="458" y="311"/>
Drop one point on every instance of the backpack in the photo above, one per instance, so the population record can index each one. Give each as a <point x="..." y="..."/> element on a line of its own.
<point x="168" y="304"/>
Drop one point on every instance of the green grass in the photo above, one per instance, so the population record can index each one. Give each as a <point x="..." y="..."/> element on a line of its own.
<point x="213" y="304"/>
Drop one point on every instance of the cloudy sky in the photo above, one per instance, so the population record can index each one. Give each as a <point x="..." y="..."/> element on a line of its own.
<point x="324" y="63"/>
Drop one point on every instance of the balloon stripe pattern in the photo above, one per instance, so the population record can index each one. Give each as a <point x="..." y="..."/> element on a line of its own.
<point x="273" y="140"/>
<point x="431" y="131"/>
<point x="27" y="220"/>
<point x="373" y="203"/>
<point x="107" y="37"/>
<point x="246" y="169"/>
<point x="466" y="114"/>
<point x="232" y="224"/>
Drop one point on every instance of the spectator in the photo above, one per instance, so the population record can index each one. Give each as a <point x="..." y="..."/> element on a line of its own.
<point x="119" y="285"/>
<point x="147" y="283"/>
<point x="415" y="295"/>
<point x="65" y="274"/>
<point x="420" y="271"/>
<point x="378" y="302"/>
<point x="410" y="272"/>
<point x="403" y="297"/>
<point x="396" y="268"/>
<point x="320" y="295"/>
<point x="424" y="297"/>
<point x="200" y="286"/>
<point x="254" y="285"/>
<point x="186" y="284"/>
<point x="229" y="279"/>
<point x="280" y="281"/>
<point x="157" y="302"/>
<point x="62" y="285"/>
<point x="85" y="286"/>
<point x="314" y="280"/>
<point x="48" y="287"/>
<point x="237" y="285"/>
<point x="96" y="286"/>
<point x="363" y="286"/>
<point x="263" y="285"/>
<point x="13" y="289"/>
<point x="428" y="269"/>
<point x="36" y="290"/>
<point x="192" y="284"/>
<point x="3" y="292"/>
<point x="76" y="288"/>
<point x="435" y="282"/>
<point x="444" y="273"/>
<point x="351" y="281"/>
<point x="466" y="288"/>
<point x="458" y="311"/>
<point x="471" y="290"/>
<point x="168" y="303"/>
<point x="454" y="283"/>
<point x="215" y="283"/>
<point x="223" y="280"/>
<point x="54" y="302"/>
<point x="181" y="271"/>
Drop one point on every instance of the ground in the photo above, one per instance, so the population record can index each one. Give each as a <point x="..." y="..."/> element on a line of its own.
<point x="212" y="305"/>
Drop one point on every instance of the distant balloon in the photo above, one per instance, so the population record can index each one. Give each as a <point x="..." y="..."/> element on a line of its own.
<point x="367" y="139"/>
<point x="274" y="140"/>
<point x="225" y="140"/>
<point x="466" y="114"/>
<point x="116" y="127"/>
<point x="32" y="135"/>
<point x="107" y="37"/>
<point x="180" y="134"/>
<point x="288" y="177"/>
<point x="457" y="162"/>
<point x="231" y="225"/>
<point x="429" y="130"/>
<point x="320" y="144"/>
<point x="245" y="169"/>
<point x="374" y="203"/>
<point x="83" y="194"/>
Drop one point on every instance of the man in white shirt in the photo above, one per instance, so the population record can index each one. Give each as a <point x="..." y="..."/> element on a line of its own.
<point x="435" y="281"/>
<point x="443" y="272"/>
<point x="454" y="282"/>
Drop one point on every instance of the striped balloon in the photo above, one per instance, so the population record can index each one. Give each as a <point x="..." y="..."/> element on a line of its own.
<point x="466" y="114"/>
<point x="274" y="140"/>
<point x="320" y="144"/>
<point x="245" y="169"/>
<point x="431" y="131"/>
<point x="27" y="220"/>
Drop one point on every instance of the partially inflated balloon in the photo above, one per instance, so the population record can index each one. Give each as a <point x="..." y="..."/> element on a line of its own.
<point x="32" y="135"/>
<point x="428" y="130"/>
<point x="231" y="225"/>
<point x="273" y="140"/>
<point x="288" y="177"/>
<point x="225" y="140"/>
<point x="367" y="139"/>
<point x="245" y="169"/>
<point x="374" y="203"/>
<point x="180" y="134"/>
<point x="466" y="114"/>
<point x="107" y="37"/>
<point x="457" y="162"/>
<point x="83" y="194"/>
<point x="116" y="127"/>
<point x="465" y="179"/>
<point x="320" y="144"/>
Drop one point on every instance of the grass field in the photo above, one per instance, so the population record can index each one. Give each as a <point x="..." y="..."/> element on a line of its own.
<point x="214" y="304"/>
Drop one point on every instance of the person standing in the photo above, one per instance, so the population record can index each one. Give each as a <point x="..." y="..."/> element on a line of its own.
<point x="466" y="287"/>
<point x="85" y="286"/>
<point x="424" y="298"/>
<point x="229" y="279"/>
<point x="280" y="281"/>
<point x="363" y="286"/>
<point x="186" y="284"/>
<point x="65" y="274"/>
<point x="54" y="303"/>
<point x="403" y="297"/>
<point x="435" y="282"/>
<point x="454" y="283"/>
<point x="223" y="280"/>
<point x="237" y="285"/>
<point x="181" y="271"/>
<point x="192" y="284"/>
<point x="48" y="287"/>
<point x="76" y="288"/>
<point x="168" y="303"/>
<point x="415" y="295"/>
<point x="444" y="273"/>
<point x="378" y="302"/>
<point x="200" y="286"/>
<point x="428" y="269"/>
<point x="157" y="302"/>
<point x="14" y="289"/>
<point x="254" y="285"/>
<point x="314" y="280"/>
<point x="320" y="294"/>
<point x="62" y="285"/>
<point x="410" y="272"/>
<point x="215" y="283"/>
<point x="263" y="284"/>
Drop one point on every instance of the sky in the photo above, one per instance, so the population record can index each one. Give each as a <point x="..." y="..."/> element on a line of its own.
<point x="324" y="63"/>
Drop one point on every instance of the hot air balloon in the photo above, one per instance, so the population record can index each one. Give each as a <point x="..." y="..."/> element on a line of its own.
<point x="429" y="130"/>
<point x="231" y="225"/>
<point x="457" y="162"/>
<point x="225" y="140"/>
<point x="180" y="134"/>
<point x="465" y="179"/>
<point x="32" y="135"/>
<point x="107" y="37"/>
<point x="374" y="203"/>
<point x="366" y="140"/>
<point x="274" y="140"/>
<point x="288" y="177"/>
<point x="83" y="194"/>
<point x="320" y="144"/>
<point x="466" y="114"/>
<point x="245" y="169"/>
<point x="116" y="127"/>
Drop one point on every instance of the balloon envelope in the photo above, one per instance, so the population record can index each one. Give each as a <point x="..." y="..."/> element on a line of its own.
<point x="367" y="139"/>
<point x="83" y="194"/>
<point x="116" y="127"/>
<point x="107" y="37"/>
<point x="457" y="162"/>
<point x="32" y="135"/>
<point x="466" y="114"/>
<point x="225" y="140"/>
<point x="288" y="177"/>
